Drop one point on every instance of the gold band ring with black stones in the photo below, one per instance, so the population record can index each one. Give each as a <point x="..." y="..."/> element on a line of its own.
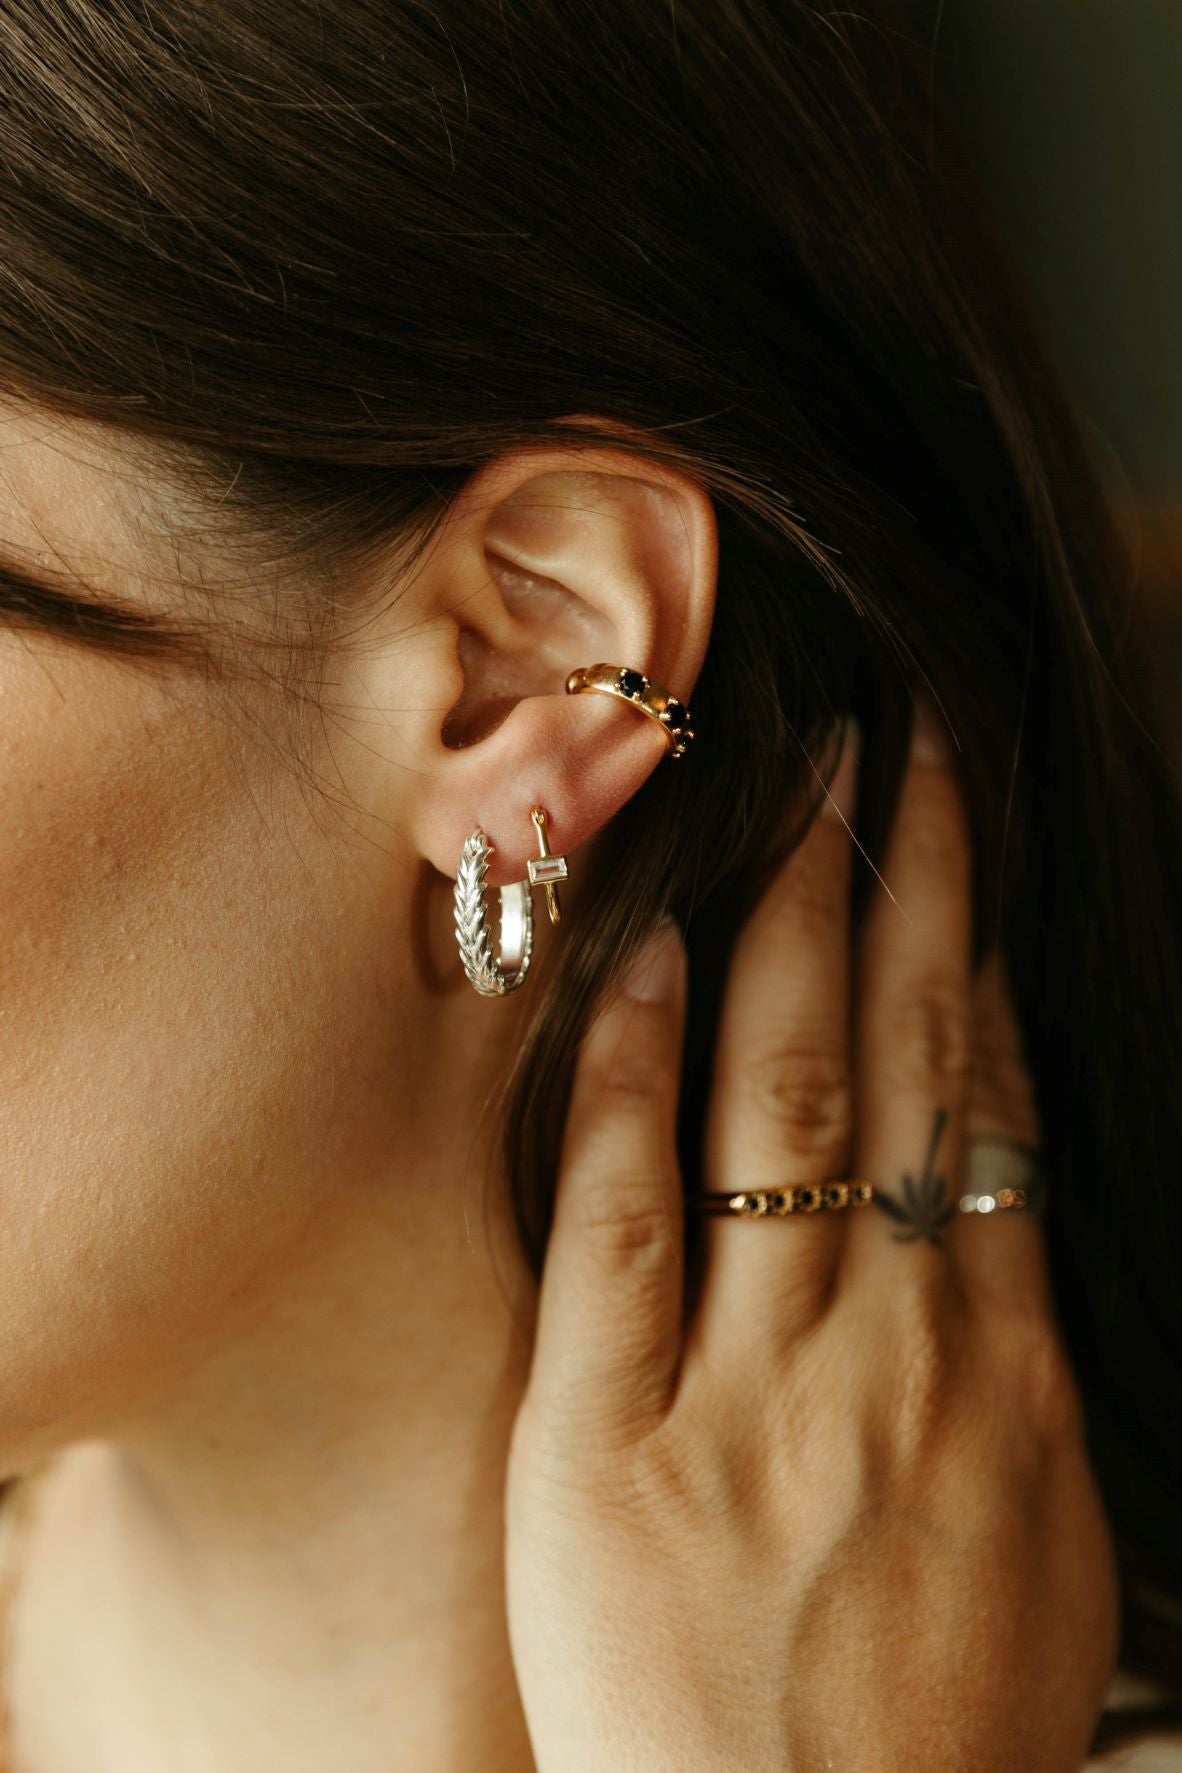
<point x="1006" y="1176"/>
<point x="652" y="698"/>
<point x="763" y="1203"/>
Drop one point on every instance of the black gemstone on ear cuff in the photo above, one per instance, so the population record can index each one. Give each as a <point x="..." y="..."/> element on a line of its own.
<point x="632" y="683"/>
<point x="675" y="714"/>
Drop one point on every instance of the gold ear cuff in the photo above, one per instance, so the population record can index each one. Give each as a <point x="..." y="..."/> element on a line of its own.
<point x="653" y="699"/>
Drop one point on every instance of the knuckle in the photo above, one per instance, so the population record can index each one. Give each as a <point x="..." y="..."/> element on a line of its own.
<point x="626" y="1087"/>
<point x="572" y="1446"/>
<point x="811" y="899"/>
<point x="679" y="1481"/>
<point x="932" y="1037"/>
<point x="624" y="1220"/>
<point x="668" y="1486"/>
<point x="699" y="1465"/>
<point x="628" y="1076"/>
<point x="935" y="832"/>
<point x="800" y="1097"/>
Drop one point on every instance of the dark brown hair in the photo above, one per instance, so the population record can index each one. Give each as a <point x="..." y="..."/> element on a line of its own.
<point x="324" y="260"/>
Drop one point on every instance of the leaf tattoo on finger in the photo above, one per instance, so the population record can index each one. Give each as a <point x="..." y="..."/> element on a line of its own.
<point x="924" y="1210"/>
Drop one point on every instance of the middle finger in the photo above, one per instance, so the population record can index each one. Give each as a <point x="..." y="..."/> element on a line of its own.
<point x="780" y="1108"/>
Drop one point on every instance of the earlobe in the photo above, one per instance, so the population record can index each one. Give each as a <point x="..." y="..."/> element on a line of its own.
<point x="560" y="560"/>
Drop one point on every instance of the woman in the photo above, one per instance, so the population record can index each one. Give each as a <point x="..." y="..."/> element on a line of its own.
<point x="370" y="371"/>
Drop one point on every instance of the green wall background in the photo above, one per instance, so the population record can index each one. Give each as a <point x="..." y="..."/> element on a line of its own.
<point x="1074" y="111"/>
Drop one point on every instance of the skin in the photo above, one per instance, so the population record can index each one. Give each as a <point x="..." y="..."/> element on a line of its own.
<point x="262" y="1306"/>
<point x="256" y="1271"/>
<point x="865" y="1449"/>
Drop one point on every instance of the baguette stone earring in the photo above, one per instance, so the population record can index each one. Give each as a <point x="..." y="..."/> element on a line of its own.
<point x="496" y="974"/>
<point x="652" y="698"/>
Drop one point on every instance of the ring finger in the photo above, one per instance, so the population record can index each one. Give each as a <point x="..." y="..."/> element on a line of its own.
<point x="912" y="1035"/>
<point x="780" y="1110"/>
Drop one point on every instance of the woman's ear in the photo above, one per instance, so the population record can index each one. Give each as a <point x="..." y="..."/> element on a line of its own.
<point x="551" y="558"/>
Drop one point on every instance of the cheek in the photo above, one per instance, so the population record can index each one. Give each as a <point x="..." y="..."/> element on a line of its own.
<point x="167" y="904"/>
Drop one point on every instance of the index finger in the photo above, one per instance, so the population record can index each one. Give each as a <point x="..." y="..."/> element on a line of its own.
<point x="608" y="1336"/>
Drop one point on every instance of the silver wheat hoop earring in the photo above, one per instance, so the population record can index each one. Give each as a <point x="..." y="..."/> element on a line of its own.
<point x="496" y="972"/>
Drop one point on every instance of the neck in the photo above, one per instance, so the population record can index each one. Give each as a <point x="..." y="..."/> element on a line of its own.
<point x="294" y="1557"/>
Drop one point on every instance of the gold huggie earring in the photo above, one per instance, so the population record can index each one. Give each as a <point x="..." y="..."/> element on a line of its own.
<point x="672" y="716"/>
<point x="493" y="975"/>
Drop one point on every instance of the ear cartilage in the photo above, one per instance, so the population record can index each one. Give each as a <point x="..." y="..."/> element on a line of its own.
<point x="652" y="698"/>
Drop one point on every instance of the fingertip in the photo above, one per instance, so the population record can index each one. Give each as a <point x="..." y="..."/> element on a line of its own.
<point x="930" y="742"/>
<point x="842" y="793"/>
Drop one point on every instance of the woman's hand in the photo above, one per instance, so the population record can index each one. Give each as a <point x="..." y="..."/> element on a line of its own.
<point x="843" y="1517"/>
